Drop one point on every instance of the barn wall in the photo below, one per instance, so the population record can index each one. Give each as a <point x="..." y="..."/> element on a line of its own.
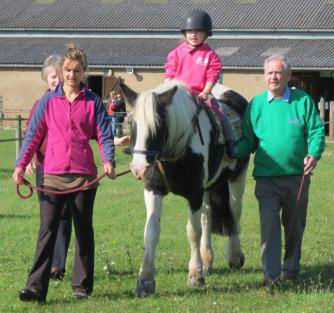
<point x="247" y="83"/>
<point x="20" y="88"/>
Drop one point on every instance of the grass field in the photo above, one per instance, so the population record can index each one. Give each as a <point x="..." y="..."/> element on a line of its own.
<point x="119" y="220"/>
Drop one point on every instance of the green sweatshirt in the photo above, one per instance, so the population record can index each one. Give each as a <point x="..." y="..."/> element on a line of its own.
<point x="282" y="134"/>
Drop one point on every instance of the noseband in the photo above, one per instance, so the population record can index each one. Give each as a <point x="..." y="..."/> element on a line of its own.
<point x="150" y="153"/>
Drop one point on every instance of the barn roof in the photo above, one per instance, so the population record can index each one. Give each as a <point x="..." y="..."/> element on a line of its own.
<point x="140" y="33"/>
<point x="166" y="14"/>
<point x="148" y="52"/>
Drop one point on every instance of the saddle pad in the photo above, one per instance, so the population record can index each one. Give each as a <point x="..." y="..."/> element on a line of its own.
<point x="234" y="120"/>
<point x="219" y="110"/>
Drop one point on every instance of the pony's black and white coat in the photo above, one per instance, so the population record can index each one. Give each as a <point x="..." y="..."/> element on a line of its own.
<point x="169" y="128"/>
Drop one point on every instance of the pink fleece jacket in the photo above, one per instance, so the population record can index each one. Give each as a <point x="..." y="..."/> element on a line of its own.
<point x="69" y="127"/>
<point x="193" y="66"/>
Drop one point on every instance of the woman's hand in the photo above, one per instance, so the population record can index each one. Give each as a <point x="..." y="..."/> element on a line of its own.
<point x="109" y="169"/>
<point x="18" y="175"/>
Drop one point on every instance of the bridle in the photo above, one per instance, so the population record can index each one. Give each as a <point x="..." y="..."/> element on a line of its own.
<point x="160" y="155"/>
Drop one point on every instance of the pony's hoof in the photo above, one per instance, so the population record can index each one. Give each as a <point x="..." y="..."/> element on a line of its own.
<point x="238" y="264"/>
<point x="196" y="281"/>
<point x="145" y="288"/>
<point x="207" y="270"/>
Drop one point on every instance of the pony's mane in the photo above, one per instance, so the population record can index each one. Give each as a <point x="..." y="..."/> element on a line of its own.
<point x="143" y="112"/>
<point x="179" y="112"/>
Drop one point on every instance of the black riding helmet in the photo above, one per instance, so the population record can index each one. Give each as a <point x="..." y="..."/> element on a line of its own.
<point x="197" y="20"/>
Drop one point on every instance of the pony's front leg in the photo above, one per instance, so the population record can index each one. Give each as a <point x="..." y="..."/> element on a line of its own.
<point x="146" y="282"/>
<point x="206" y="246"/>
<point x="194" y="231"/>
<point x="235" y="256"/>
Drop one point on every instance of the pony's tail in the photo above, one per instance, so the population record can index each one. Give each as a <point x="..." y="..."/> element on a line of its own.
<point x="222" y="220"/>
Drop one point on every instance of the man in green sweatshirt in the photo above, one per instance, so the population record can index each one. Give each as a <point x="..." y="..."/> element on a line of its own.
<point x="283" y="128"/>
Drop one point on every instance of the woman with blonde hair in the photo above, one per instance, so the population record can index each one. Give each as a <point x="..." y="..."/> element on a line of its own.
<point x="70" y="116"/>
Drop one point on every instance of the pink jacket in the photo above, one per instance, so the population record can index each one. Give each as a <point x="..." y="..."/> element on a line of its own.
<point x="193" y="66"/>
<point x="69" y="127"/>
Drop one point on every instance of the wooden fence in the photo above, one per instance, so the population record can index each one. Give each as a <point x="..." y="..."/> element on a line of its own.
<point x="18" y="131"/>
<point x="18" y="124"/>
<point x="330" y="121"/>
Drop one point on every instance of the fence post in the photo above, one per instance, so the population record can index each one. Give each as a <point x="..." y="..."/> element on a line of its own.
<point x="322" y="109"/>
<point x="1" y="111"/>
<point x="18" y="135"/>
<point x="331" y="119"/>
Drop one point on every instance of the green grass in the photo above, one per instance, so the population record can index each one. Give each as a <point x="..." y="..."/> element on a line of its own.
<point x="119" y="220"/>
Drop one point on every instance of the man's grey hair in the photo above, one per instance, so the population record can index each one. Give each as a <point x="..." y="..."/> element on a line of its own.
<point x="279" y="57"/>
<point x="53" y="60"/>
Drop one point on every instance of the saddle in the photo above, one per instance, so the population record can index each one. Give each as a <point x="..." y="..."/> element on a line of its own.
<point x="225" y="120"/>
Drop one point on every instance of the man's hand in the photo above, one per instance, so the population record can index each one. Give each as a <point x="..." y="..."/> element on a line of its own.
<point x="309" y="165"/>
<point x="109" y="169"/>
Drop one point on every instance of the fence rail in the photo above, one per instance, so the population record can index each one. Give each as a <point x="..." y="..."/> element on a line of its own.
<point x="330" y="121"/>
<point x="18" y="130"/>
<point x="19" y="119"/>
<point x="11" y="139"/>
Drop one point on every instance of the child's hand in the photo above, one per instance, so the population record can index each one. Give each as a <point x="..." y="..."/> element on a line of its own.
<point x="203" y="95"/>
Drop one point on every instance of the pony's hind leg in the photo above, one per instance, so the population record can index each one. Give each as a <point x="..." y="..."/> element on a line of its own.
<point x="195" y="275"/>
<point x="206" y="246"/>
<point x="146" y="282"/>
<point x="235" y="256"/>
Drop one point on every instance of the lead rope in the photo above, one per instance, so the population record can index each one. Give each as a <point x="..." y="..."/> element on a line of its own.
<point x="164" y="176"/>
<point x="57" y="192"/>
<point x="297" y="206"/>
<point x="300" y="189"/>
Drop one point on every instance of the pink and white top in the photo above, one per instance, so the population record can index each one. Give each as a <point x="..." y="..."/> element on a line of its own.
<point x="193" y="66"/>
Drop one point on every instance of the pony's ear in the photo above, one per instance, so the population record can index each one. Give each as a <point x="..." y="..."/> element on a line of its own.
<point x="167" y="96"/>
<point x="128" y="93"/>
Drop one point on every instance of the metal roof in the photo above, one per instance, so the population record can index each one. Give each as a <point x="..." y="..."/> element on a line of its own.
<point x="303" y="15"/>
<point x="152" y="52"/>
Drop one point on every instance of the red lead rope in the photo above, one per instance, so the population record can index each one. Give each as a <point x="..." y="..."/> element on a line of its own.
<point x="300" y="189"/>
<point x="56" y="192"/>
<point x="296" y="207"/>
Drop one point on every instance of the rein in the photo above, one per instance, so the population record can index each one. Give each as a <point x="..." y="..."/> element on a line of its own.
<point x="194" y="122"/>
<point x="57" y="192"/>
<point x="158" y="155"/>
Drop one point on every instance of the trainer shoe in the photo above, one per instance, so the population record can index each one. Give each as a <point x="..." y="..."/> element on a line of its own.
<point x="80" y="293"/>
<point x="56" y="274"/>
<point x="289" y="276"/>
<point x="27" y="294"/>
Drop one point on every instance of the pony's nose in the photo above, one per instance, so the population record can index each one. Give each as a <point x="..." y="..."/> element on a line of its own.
<point x="138" y="172"/>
